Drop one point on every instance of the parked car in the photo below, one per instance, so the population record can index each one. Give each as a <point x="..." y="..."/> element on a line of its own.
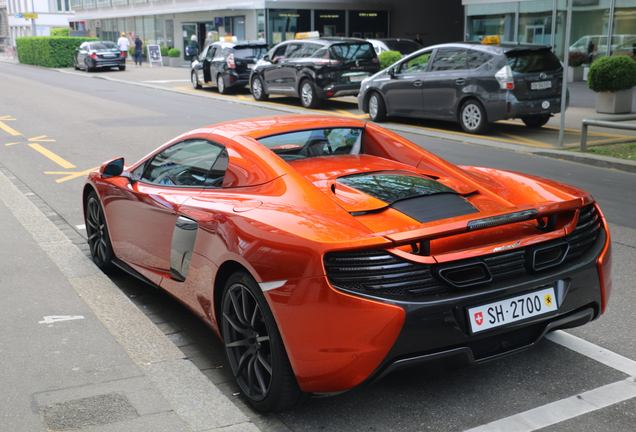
<point x="327" y="252"/>
<point x="599" y="43"/>
<point x="99" y="54"/>
<point x="226" y="65"/>
<point x="314" y="69"/>
<point x="468" y="82"/>
<point x="403" y="46"/>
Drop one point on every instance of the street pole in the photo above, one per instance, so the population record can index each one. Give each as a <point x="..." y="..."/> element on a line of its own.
<point x="33" y="19"/>
<point x="566" y="60"/>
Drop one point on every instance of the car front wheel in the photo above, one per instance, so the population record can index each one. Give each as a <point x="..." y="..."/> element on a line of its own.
<point x="536" y="122"/>
<point x="195" y="80"/>
<point x="97" y="233"/>
<point x="255" y="348"/>
<point x="472" y="117"/>
<point x="377" y="109"/>
<point x="308" y="96"/>
<point x="257" y="89"/>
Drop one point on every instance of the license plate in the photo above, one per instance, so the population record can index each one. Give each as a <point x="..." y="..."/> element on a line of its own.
<point x="108" y="55"/>
<point x="514" y="309"/>
<point x="357" y="78"/>
<point x="541" y="85"/>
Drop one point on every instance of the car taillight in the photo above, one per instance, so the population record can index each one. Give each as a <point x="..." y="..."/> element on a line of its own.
<point x="123" y="54"/>
<point x="230" y="61"/>
<point x="504" y="76"/>
<point x="93" y="55"/>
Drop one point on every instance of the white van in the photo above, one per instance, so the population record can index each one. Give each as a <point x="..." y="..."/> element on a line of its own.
<point x="600" y="43"/>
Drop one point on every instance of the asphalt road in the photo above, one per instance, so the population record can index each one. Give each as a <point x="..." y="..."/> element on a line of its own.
<point x="66" y="125"/>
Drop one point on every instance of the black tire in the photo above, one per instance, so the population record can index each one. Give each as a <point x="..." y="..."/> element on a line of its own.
<point x="535" y="122"/>
<point x="75" y="65"/>
<point x="122" y="68"/>
<point x="255" y="348"/>
<point x="258" y="90"/>
<point x="377" y="108"/>
<point x="97" y="233"/>
<point x="472" y="117"/>
<point x="220" y="85"/>
<point x="195" y="80"/>
<point x="86" y="67"/>
<point x="308" y="96"/>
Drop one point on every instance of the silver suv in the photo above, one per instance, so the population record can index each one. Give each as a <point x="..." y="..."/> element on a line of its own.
<point x="470" y="83"/>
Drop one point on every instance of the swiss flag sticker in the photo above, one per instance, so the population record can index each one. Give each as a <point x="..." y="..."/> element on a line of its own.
<point x="479" y="318"/>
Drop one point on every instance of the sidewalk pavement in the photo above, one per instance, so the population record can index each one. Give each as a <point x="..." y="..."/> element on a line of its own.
<point x="88" y="357"/>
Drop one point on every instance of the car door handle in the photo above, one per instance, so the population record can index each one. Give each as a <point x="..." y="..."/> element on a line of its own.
<point x="460" y="81"/>
<point x="417" y="83"/>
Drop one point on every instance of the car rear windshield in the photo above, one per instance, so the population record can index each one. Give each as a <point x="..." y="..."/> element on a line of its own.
<point x="403" y="46"/>
<point x="104" y="46"/>
<point x="249" y="52"/>
<point x="315" y="142"/>
<point x="352" y="51"/>
<point x="529" y="61"/>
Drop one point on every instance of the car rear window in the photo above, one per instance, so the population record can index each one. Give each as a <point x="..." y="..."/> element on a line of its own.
<point x="315" y="142"/>
<point x="403" y="46"/>
<point x="529" y="61"/>
<point x="352" y="51"/>
<point x="250" y="52"/>
<point x="104" y="46"/>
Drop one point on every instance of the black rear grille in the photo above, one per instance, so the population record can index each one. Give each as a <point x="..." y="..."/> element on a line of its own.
<point x="386" y="275"/>
<point x="501" y="343"/>
<point x="380" y="272"/>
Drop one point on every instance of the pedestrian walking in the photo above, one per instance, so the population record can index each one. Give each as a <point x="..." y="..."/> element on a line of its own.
<point x="193" y="48"/>
<point x="139" y="49"/>
<point x="418" y="39"/>
<point x="123" y="43"/>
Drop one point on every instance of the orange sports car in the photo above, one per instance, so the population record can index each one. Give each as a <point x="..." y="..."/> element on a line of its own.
<point x="327" y="252"/>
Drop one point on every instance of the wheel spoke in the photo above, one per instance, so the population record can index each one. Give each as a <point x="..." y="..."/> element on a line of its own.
<point x="263" y="361"/>
<point x="259" y="376"/>
<point x="235" y="325"/>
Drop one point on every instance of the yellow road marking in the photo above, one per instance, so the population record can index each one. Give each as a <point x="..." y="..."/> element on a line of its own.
<point x="70" y="175"/>
<point x="40" y="139"/>
<point x="49" y="154"/>
<point x="8" y="129"/>
<point x="12" y="144"/>
<point x="527" y="141"/>
<point x="348" y="114"/>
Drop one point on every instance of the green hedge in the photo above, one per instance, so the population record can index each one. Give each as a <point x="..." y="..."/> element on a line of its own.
<point x="48" y="51"/>
<point x="612" y="74"/>
<point x="387" y="58"/>
<point x="60" y="31"/>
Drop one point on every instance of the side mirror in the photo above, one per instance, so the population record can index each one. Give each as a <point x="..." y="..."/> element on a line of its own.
<point x="112" y="168"/>
<point x="391" y="72"/>
<point x="266" y="58"/>
<point x="77" y="50"/>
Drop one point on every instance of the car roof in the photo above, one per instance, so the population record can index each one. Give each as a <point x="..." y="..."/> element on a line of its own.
<point x="492" y="48"/>
<point x="327" y="41"/>
<point x="238" y="44"/>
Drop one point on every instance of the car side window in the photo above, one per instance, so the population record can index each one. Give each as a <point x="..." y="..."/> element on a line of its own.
<point x="186" y="163"/>
<point x="416" y="64"/>
<point x="295" y="50"/>
<point x="210" y="54"/>
<point x="279" y="54"/>
<point x="477" y="59"/>
<point x="449" y="59"/>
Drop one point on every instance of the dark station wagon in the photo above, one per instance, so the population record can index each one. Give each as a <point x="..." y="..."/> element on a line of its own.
<point x="471" y="83"/>
<point x="314" y="69"/>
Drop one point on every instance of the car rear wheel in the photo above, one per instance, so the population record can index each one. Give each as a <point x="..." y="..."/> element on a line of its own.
<point x="258" y="91"/>
<point x="255" y="348"/>
<point x="97" y="233"/>
<point x="308" y="96"/>
<point x="195" y="80"/>
<point x="75" y="65"/>
<point x="122" y="68"/>
<point x="472" y="117"/>
<point x="220" y="84"/>
<point x="536" y="122"/>
<point x="86" y="67"/>
<point x="377" y="109"/>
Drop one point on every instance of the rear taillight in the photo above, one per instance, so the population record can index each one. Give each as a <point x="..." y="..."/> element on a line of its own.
<point x="123" y="54"/>
<point x="93" y="55"/>
<point x="230" y="61"/>
<point x="504" y="76"/>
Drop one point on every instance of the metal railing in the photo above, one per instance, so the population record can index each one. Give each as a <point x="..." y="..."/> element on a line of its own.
<point x="607" y="122"/>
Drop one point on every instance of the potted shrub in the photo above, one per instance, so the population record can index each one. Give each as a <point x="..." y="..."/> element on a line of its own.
<point x="612" y="78"/>
<point x="164" y="55"/>
<point x="387" y="58"/>
<point x="576" y="61"/>
<point x="175" y="57"/>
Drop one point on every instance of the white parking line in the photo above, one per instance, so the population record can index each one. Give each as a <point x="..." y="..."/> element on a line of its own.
<point x="574" y="406"/>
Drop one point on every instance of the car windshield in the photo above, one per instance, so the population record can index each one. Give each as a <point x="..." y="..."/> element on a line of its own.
<point x="404" y="46"/>
<point x="352" y="51"/>
<point x="529" y="61"/>
<point x="249" y="52"/>
<point x="315" y="142"/>
<point x="104" y="46"/>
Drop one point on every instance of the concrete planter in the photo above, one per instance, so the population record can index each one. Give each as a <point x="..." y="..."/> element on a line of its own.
<point x="586" y="69"/>
<point x="575" y="73"/>
<point x="165" y="60"/>
<point x="614" y="103"/>
<point x="175" y="61"/>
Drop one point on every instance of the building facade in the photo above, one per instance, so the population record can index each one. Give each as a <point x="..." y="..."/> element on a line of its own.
<point x="50" y="14"/>
<point x="594" y="24"/>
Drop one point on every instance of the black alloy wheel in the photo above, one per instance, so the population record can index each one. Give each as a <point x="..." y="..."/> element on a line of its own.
<point x="255" y="348"/>
<point x="472" y="117"/>
<point x="258" y="91"/>
<point x="97" y="233"/>
<point x="377" y="109"/>
<point x="308" y="96"/>
<point x="195" y="80"/>
<point x="535" y="122"/>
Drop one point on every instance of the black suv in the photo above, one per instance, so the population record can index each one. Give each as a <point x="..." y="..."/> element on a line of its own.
<point x="468" y="82"/>
<point x="314" y="69"/>
<point x="226" y="64"/>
